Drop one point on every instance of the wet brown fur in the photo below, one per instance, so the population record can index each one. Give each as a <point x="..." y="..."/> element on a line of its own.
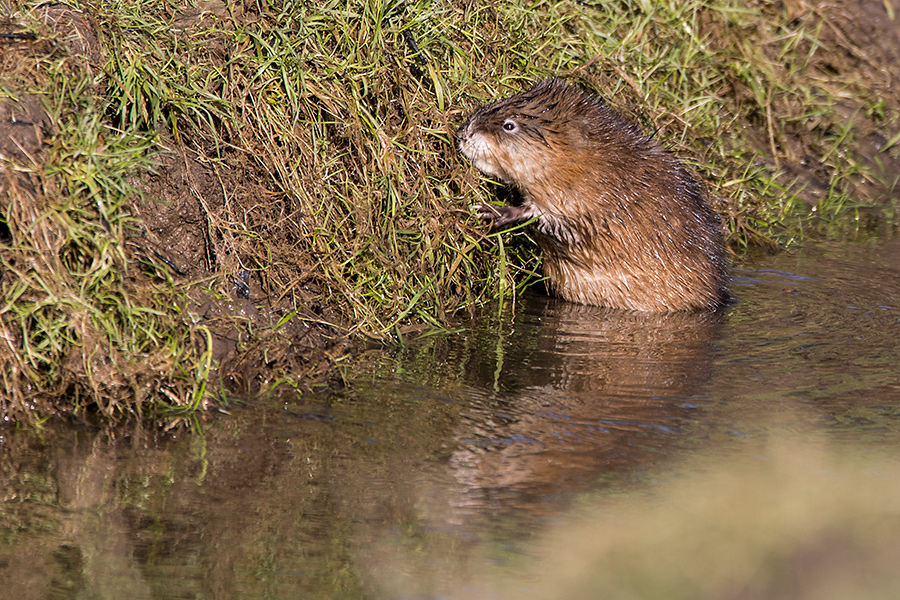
<point x="621" y="222"/>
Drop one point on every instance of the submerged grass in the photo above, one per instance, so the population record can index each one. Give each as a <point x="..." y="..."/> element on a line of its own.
<point x="324" y="132"/>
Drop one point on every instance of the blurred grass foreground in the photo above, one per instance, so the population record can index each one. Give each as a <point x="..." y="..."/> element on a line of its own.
<point x="199" y="198"/>
<point x="800" y="520"/>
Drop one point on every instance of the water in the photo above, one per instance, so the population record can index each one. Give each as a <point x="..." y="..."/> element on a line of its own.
<point x="522" y="458"/>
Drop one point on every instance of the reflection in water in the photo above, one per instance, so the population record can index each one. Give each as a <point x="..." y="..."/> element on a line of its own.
<point x="84" y="544"/>
<point x="433" y="474"/>
<point x="594" y="390"/>
<point x="99" y="541"/>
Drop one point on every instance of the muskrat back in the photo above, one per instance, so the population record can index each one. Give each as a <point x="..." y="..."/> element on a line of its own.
<point x="621" y="222"/>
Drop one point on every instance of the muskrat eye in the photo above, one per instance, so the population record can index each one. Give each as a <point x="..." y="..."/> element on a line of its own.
<point x="510" y="125"/>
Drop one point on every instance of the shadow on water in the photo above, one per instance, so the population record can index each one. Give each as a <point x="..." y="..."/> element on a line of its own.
<point x="567" y="451"/>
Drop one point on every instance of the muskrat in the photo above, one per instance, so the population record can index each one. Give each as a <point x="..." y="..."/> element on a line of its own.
<point x="621" y="222"/>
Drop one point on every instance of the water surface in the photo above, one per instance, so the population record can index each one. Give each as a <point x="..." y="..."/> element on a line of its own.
<point x="444" y="467"/>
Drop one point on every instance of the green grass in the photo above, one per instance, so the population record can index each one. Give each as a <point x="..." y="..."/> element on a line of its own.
<point x="340" y="116"/>
<point x="86" y="333"/>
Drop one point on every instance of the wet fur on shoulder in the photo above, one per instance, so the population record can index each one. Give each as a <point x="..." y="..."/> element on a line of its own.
<point x="621" y="222"/>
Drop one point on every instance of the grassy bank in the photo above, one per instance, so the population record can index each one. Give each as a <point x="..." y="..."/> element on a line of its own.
<point x="287" y="171"/>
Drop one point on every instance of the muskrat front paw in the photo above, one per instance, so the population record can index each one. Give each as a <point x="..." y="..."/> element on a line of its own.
<point x="487" y="212"/>
<point x="498" y="216"/>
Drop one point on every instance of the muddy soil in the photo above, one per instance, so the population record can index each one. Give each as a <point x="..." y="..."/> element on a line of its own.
<point x="861" y="43"/>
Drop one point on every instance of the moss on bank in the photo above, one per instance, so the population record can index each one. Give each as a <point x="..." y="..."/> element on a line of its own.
<point x="243" y="185"/>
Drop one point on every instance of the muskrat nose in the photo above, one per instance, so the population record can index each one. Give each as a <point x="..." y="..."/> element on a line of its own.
<point x="462" y="131"/>
<point x="466" y="130"/>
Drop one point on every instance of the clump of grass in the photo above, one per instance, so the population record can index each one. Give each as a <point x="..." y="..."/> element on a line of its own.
<point x="81" y="330"/>
<point x="349" y="124"/>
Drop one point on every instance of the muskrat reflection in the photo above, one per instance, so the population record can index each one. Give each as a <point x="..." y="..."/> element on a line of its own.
<point x="595" y="390"/>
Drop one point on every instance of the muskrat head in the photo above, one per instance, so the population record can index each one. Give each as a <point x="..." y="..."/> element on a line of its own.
<point x="517" y="138"/>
